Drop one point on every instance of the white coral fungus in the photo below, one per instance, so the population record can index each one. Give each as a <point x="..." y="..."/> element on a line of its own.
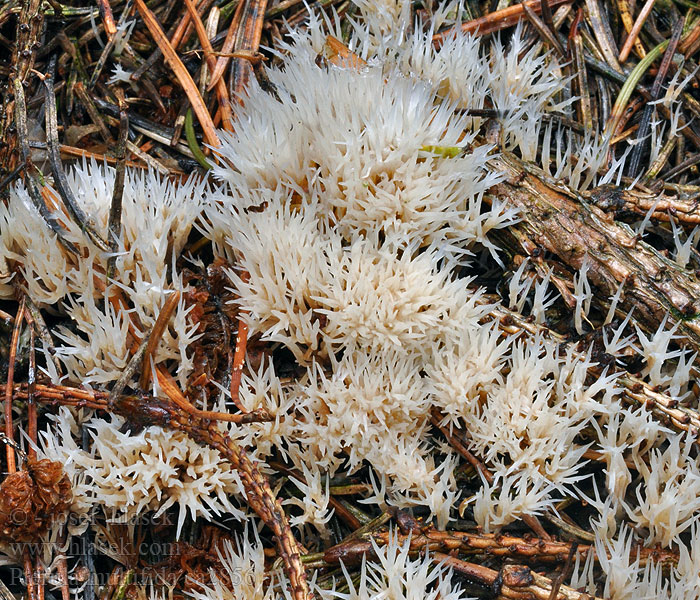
<point x="127" y="473"/>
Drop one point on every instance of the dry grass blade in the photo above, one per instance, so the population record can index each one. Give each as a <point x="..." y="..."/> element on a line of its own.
<point x="181" y="73"/>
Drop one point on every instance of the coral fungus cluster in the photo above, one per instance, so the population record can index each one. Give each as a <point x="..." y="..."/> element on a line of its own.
<point x="352" y="209"/>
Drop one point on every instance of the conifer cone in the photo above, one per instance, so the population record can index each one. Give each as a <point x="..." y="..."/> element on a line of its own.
<point x="53" y="493"/>
<point x="31" y="500"/>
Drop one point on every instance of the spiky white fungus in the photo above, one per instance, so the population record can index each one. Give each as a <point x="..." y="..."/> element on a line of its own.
<point x="126" y="473"/>
<point x="396" y="575"/>
<point x="669" y="499"/>
<point x="349" y="201"/>
<point x="157" y="216"/>
<point x="244" y="567"/>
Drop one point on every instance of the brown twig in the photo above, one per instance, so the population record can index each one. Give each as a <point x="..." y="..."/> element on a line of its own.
<point x="456" y="441"/>
<point x="557" y="220"/>
<point x="495" y="21"/>
<point x="114" y="221"/>
<point x="532" y="550"/>
<point x="238" y="361"/>
<point x="512" y="581"/>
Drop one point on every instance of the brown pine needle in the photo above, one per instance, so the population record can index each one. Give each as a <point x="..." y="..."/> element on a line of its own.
<point x="247" y="39"/>
<point x="238" y="360"/>
<point x="636" y="28"/>
<point x="9" y="386"/>
<point x="181" y="73"/>
<point x="107" y="17"/>
<point x="226" y="49"/>
<point x="221" y="90"/>
<point x="154" y="339"/>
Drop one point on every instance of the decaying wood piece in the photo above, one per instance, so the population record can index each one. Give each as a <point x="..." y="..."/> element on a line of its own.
<point x="556" y="219"/>
<point x="611" y="198"/>
<point x="516" y="582"/>
<point x="533" y="549"/>
<point x="511" y="581"/>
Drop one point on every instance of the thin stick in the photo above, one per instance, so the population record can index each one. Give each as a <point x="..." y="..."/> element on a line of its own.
<point x="129" y="371"/>
<point x="546" y="11"/>
<point x="225" y="54"/>
<point x="247" y="39"/>
<point x="37" y="321"/>
<point x="107" y="17"/>
<point x="457" y="444"/>
<point x="114" y="224"/>
<point x="645" y="123"/>
<point x="31" y="404"/>
<point x="636" y="28"/>
<point x="29" y="573"/>
<point x="178" y="35"/>
<point x="512" y="581"/>
<point x="92" y="111"/>
<point x="39" y="570"/>
<point x="565" y="574"/>
<point x="548" y="34"/>
<point x="238" y="361"/>
<point x="9" y="386"/>
<point x="628" y="22"/>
